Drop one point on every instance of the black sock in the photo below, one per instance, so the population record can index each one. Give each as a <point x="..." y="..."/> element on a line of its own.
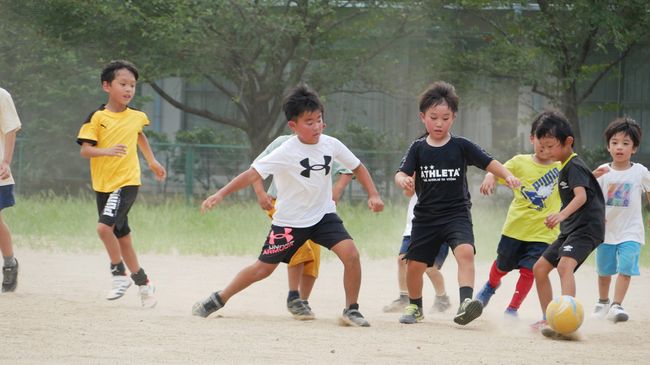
<point x="354" y="306"/>
<point x="293" y="294"/>
<point x="118" y="269"/>
<point x="465" y="292"/>
<point x="140" y="278"/>
<point x="210" y="304"/>
<point x="417" y="302"/>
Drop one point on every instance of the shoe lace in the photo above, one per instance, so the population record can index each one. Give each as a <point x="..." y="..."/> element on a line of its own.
<point x="411" y="310"/>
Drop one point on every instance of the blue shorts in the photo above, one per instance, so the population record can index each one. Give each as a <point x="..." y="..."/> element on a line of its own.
<point x="437" y="262"/>
<point x="7" y="196"/>
<point x="513" y="253"/>
<point x="622" y="258"/>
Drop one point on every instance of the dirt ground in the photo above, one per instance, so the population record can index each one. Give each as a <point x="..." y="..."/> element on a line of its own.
<point x="58" y="315"/>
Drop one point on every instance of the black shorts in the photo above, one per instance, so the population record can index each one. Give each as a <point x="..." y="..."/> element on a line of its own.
<point x="578" y="246"/>
<point x="283" y="242"/>
<point x="513" y="253"/>
<point x="426" y="240"/>
<point x="113" y="208"/>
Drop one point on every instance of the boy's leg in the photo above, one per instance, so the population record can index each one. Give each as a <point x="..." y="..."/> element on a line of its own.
<point x="621" y="287"/>
<point x="469" y="308"/>
<point x="413" y="311"/>
<point x="295" y="272"/>
<point x="111" y="243"/>
<point x="310" y="272"/>
<point x="349" y="256"/>
<point x="398" y="304"/>
<point x="566" y="268"/>
<point x="628" y="254"/>
<point x="541" y="272"/>
<point x="5" y="239"/>
<point x="10" y="264"/>
<point x="437" y="280"/>
<point x="146" y="288"/>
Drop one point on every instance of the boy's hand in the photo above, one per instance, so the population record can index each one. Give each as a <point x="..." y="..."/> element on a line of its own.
<point x="600" y="171"/>
<point x="553" y="220"/>
<point x="265" y="201"/>
<point x="158" y="170"/>
<point x="211" y="202"/>
<point x="512" y="182"/>
<point x="407" y="183"/>
<point x="488" y="184"/>
<point x="375" y="204"/>
<point x="118" y="150"/>
<point x="5" y="170"/>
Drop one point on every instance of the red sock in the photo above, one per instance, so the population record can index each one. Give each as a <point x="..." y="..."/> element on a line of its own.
<point x="495" y="276"/>
<point x="524" y="284"/>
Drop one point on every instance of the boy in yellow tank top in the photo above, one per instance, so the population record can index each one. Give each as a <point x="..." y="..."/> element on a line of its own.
<point x="524" y="236"/>
<point x="110" y="138"/>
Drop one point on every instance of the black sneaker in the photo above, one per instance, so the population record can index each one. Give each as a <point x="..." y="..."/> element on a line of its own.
<point x="468" y="311"/>
<point x="354" y="318"/>
<point x="206" y="307"/>
<point x="300" y="310"/>
<point x="9" y="278"/>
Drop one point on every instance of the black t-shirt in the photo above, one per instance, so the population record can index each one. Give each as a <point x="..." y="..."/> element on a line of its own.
<point x="590" y="218"/>
<point x="441" y="178"/>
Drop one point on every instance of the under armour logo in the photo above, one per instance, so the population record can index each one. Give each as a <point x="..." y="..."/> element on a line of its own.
<point x="316" y="167"/>
<point x="279" y="236"/>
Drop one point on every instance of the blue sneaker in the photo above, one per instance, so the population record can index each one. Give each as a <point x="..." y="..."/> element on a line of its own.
<point x="511" y="313"/>
<point x="486" y="293"/>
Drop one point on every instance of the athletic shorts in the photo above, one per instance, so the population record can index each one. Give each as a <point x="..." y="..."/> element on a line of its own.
<point x="7" y="196"/>
<point x="426" y="240"/>
<point x="622" y="258"/>
<point x="113" y="208"/>
<point x="513" y="253"/>
<point x="437" y="262"/>
<point x="283" y="242"/>
<point x="578" y="246"/>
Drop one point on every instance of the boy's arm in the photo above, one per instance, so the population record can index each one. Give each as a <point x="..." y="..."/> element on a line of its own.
<point x="155" y="166"/>
<point x="88" y="150"/>
<point x="5" y="166"/>
<point x="488" y="184"/>
<point x="242" y="180"/>
<point x="363" y="176"/>
<point x="501" y="171"/>
<point x="579" y="199"/>
<point x="263" y="199"/>
<point x="339" y="186"/>
<point x="405" y="182"/>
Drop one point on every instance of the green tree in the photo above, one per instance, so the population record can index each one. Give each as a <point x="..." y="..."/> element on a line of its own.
<point x="251" y="51"/>
<point x="561" y="49"/>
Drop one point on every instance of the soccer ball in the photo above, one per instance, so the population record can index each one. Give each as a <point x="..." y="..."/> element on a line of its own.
<point x="564" y="314"/>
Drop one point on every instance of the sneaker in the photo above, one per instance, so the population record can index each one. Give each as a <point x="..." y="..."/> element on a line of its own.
<point x="548" y="332"/>
<point x="120" y="284"/>
<point x="468" y="311"/>
<point x="537" y="326"/>
<point x="600" y="310"/>
<point x="412" y="314"/>
<point x="354" y="318"/>
<point x="397" y="305"/>
<point x="616" y="313"/>
<point x="206" y="307"/>
<point x="511" y="313"/>
<point x="486" y="293"/>
<point x="146" y="295"/>
<point x="9" y="278"/>
<point x="441" y="303"/>
<point x="299" y="310"/>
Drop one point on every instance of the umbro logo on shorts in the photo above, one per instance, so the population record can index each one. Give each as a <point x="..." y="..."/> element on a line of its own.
<point x="567" y="248"/>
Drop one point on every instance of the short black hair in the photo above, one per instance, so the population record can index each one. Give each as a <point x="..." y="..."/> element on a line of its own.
<point x="625" y="125"/>
<point x="299" y="100"/>
<point x="108" y="73"/>
<point x="437" y="93"/>
<point x="553" y="124"/>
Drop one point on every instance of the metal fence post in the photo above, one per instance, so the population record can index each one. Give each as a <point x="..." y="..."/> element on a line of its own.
<point x="189" y="173"/>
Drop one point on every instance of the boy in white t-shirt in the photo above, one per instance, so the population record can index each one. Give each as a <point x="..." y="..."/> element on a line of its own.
<point x="623" y="182"/>
<point x="9" y="125"/>
<point x="301" y="169"/>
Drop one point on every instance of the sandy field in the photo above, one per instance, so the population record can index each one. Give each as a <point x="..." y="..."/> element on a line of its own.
<point x="58" y="315"/>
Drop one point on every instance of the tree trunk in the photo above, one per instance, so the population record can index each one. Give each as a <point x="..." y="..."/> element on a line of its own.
<point x="569" y="106"/>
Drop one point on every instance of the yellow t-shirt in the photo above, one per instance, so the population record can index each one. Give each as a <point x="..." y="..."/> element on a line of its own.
<point x="533" y="201"/>
<point x="105" y="129"/>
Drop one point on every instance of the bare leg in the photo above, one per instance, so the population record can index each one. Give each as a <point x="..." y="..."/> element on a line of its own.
<point x="401" y="273"/>
<point x="5" y="239"/>
<point x="128" y="253"/>
<point x="306" y="285"/>
<point x="437" y="280"/>
<point x="247" y="276"/>
<point x="620" y="288"/>
<point x="541" y="270"/>
<point x="414" y="272"/>
<point x="293" y="274"/>
<point x="464" y="254"/>
<point x="603" y="286"/>
<point x="111" y="243"/>
<point x="349" y="256"/>
<point x="565" y="268"/>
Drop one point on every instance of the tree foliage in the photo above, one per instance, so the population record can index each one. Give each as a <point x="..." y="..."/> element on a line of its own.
<point x="561" y="49"/>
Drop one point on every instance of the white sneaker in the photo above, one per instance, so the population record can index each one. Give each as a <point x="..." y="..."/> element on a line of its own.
<point x="616" y="314"/>
<point x="146" y="295"/>
<point x="600" y="310"/>
<point x="120" y="284"/>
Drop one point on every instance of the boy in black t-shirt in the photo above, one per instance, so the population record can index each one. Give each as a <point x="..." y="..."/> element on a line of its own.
<point x="435" y="166"/>
<point x="581" y="219"/>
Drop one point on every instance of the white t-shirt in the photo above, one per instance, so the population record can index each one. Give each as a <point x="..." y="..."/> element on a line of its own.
<point x="9" y="121"/>
<point x="623" y="191"/>
<point x="410" y="215"/>
<point x="302" y="174"/>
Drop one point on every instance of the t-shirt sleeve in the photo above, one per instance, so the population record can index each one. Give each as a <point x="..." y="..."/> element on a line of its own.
<point x="578" y="177"/>
<point x="409" y="161"/>
<point x="645" y="179"/>
<point x="268" y="165"/>
<point x="9" y="120"/>
<point x="475" y="155"/>
<point x="344" y="156"/>
<point x="89" y="131"/>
